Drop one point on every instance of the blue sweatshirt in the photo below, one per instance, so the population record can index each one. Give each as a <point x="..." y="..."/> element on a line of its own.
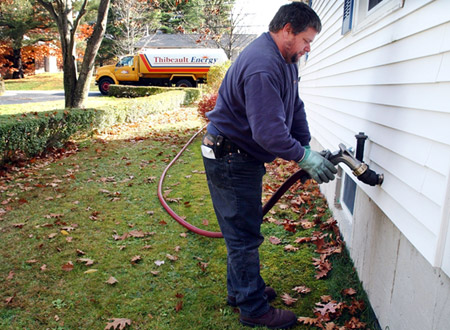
<point x="258" y="106"/>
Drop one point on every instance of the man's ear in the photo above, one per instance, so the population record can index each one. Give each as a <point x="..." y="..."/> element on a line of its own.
<point x="287" y="28"/>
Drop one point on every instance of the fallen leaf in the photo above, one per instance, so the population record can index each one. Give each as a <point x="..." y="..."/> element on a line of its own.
<point x="112" y="280"/>
<point x="307" y="320"/>
<point x="86" y="261"/>
<point x="349" y="292"/>
<point x="136" y="259"/>
<point x="10" y="276"/>
<point x="9" y="300"/>
<point x="290" y="248"/>
<point x="43" y="268"/>
<point x="354" y="323"/>
<point x="179" y="305"/>
<point x="119" y="324"/>
<point x="203" y="265"/>
<point x="154" y="272"/>
<point x="301" y="289"/>
<point x="89" y="271"/>
<point x="274" y="240"/>
<point x="171" y="257"/>
<point x="287" y="299"/>
<point x="68" y="266"/>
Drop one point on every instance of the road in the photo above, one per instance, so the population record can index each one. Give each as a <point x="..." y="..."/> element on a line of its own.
<point x="18" y="97"/>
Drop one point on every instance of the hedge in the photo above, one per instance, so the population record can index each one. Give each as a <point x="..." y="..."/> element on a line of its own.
<point x="32" y="133"/>
<point x="192" y="94"/>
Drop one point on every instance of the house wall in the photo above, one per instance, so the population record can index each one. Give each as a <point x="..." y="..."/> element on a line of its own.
<point x="389" y="77"/>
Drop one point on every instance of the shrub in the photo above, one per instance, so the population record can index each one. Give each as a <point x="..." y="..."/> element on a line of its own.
<point x="206" y="104"/>
<point x="30" y="134"/>
<point x="215" y="76"/>
<point x="191" y="94"/>
<point x="33" y="133"/>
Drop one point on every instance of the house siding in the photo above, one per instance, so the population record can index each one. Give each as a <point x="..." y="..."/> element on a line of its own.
<point x="391" y="80"/>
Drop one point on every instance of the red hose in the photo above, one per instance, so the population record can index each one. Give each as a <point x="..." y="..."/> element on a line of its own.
<point x="180" y="220"/>
<point x="299" y="175"/>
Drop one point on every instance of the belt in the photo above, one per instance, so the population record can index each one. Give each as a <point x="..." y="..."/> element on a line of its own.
<point x="222" y="145"/>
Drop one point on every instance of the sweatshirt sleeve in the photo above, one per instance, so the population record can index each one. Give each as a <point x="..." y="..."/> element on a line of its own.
<point x="266" y="115"/>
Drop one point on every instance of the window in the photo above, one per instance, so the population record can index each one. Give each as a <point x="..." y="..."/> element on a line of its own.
<point x="126" y="61"/>
<point x="373" y="3"/>
<point x="362" y="13"/>
<point x="349" y="192"/>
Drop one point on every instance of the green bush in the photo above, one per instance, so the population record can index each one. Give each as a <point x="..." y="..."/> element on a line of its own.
<point x="215" y="76"/>
<point x="32" y="133"/>
<point x="191" y="94"/>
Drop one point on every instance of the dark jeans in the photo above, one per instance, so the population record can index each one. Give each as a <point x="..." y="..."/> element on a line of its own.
<point x="235" y="184"/>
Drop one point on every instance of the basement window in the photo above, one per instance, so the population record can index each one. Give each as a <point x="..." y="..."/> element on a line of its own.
<point x="349" y="193"/>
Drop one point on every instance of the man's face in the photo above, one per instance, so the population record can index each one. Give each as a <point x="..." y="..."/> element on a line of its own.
<point x="297" y="45"/>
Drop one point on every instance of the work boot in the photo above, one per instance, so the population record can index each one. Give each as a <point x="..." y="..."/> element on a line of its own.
<point x="273" y="319"/>
<point x="270" y="293"/>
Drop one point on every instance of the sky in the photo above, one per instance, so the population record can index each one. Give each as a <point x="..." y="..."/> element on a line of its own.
<point x="257" y="14"/>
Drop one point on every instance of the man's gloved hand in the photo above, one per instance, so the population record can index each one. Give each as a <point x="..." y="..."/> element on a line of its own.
<point x="318" y="167"/>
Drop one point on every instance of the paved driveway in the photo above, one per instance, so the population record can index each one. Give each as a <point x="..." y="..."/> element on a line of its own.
<point x="17" y="97"/>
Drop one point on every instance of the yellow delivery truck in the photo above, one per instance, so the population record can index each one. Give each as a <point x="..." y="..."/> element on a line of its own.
<point x="161" y="67"/>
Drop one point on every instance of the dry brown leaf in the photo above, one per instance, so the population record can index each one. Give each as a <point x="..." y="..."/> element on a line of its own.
<point x="349" y="292"/>
<point x="290" y="248"/>
<point x="118" y="324"/>
<point x="68" y="266"/>
<point x="112" y="280"/>
<point x="287" y="299"/>
<point x="136" y="259"/>
<point x="171" y="257"/>
<point x="274" y="240"/>
<point x="307" y="320"/>
<point x="86" y="261"/>
<point x="302" y="289"/>
<point x="10" y="275"/>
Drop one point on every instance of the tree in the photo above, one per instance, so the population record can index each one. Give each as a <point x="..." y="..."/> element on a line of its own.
<point x="76" y="86"/>
<point x="132" y="20"/>
<point x="20" y="18"/>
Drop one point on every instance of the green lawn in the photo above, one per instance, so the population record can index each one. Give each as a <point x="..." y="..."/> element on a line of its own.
<point x="76" y="222"/>
<point x="39" y="82"/>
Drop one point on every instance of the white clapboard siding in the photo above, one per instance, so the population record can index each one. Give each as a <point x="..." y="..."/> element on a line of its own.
<point x="391" y="80"/>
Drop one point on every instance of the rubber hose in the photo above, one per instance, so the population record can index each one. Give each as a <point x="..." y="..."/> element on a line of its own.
<point x="299" y="175"/>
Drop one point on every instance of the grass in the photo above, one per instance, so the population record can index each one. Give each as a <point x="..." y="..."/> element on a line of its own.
<point x="39" y="82"/>
<point x="79" y="204"/>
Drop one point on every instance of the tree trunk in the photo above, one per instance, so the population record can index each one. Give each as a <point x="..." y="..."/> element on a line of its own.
<point x="76" y="88"/>
<point x="17" y="64"/>
<point x="87" y="67"/>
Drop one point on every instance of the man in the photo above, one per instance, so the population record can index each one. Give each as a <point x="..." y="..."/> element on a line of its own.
<point x="258" y="117"/>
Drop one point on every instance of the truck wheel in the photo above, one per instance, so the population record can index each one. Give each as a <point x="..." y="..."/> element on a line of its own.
<point x="103" y="85"/>
<point x="184" y="83"/>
